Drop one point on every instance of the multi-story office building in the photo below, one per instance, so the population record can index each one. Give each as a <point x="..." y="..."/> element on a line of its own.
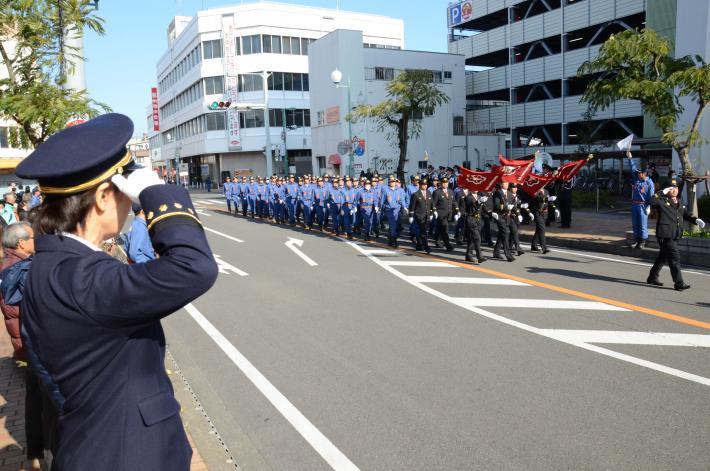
<point x="220" y="55"/>
<point x="527" y="53"/>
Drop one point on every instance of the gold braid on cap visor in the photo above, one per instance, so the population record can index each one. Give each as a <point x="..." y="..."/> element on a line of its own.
<point x="116" y="168"/>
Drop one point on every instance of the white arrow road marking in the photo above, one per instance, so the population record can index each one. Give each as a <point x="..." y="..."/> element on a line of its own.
<point x="225" y="268"/>
<point x="292" y="243"/>
<point x="222" y="234"/>
<point x="330" y="453"/>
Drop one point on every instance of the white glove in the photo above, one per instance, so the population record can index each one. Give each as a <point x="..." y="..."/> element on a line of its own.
<point x="406" y="211"/>
<point x="311" y="208"/>
<point x="352" y="212"/>
<point x="456" y="217"/>
<point x="431" y="217"/>
<point x="511" y="206"/>
<point x="557" y="214"/>
<point x="136" y="182"/>
<point x="495" y="216"/>
<point x="377" y="209"/>
<point x="411" y="219"/>
<point x="342" y="213"/>
<point x="436" y="215"/>
<point x="552" y="199"/>
<point x="648" y="210"/>
<point x="483" y="199"/>
<point x="520" y="218"/>
<point x="525" y="205"/>
<point x="667" y="190"/>
<point x="700" y="223"/>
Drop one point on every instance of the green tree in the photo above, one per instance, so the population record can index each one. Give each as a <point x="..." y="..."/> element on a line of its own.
<point x="639" y="66"/>
<point x="411" y="96"/>
<point x="37" y="60"/>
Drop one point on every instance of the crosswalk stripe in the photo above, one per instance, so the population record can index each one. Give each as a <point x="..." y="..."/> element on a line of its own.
<point x="397" y="263"/>
<point x="381" y="252"/>
<point x="629" y="337"/>
<point x="206" y="202"/>
<point x="466" y="280"/>
<point x="535" y="304"/>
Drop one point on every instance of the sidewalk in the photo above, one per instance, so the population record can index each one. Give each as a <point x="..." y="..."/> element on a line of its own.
<point x="12" y="407"/>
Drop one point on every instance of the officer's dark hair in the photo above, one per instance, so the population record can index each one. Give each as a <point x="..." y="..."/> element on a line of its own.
<point x="63" y="213"/>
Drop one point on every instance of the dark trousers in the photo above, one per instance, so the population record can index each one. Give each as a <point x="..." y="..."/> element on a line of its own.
<point x="33" y="417"/>
<point x="486" y="236"/>
<point x="565" y="204"/>
<point x="502" y="240"/>
<point x="443" y="231"/>
<point x="473" y="237"/>
<point x="670" y="254"/>
<point x="422" y="239"/>
<point x="539" y="239"/>
<point x="514" y="239"/>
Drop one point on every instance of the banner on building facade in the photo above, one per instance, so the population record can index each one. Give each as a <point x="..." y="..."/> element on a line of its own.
<point x="229" y="36"/>
<point x="460" y="13"/>
<point x="156" y="114"/>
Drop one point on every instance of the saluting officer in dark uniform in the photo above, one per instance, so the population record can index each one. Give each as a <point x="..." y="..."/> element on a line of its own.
<point x="444" y="209"/>
<point x="516" y="217"/>
<point x="669" y="229"/>
<point x="502" y="205"/>
<point x="420" y="210"/>
<point x="487" y="215"/>
<point x="472" y="219"/>
<point x="93" y="321"/>
<point x="538" y="206"/>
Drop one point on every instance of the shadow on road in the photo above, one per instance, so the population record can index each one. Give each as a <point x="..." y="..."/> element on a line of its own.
<point x="585" y="276"/>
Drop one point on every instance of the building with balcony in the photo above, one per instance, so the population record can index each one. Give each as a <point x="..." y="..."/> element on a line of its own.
<point x="220" y="56"/>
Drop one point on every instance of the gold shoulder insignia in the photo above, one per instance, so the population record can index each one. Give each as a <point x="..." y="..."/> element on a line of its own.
<point x="163" y="208"/>
<point x="189" y="210"/>
<point x="150" y="215"/>
<point x="177" y="206"/>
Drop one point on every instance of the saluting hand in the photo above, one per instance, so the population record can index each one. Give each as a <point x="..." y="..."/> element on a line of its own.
<point x="136" y="182"/>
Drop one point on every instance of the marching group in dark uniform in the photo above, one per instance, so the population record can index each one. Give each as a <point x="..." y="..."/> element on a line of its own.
<point x="363" y="207"/>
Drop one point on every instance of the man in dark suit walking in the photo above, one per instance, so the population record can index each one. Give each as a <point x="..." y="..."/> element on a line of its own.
<point x="502" y="207"/>
<point x="420" y="208"/>
<point x="445" y="208"/>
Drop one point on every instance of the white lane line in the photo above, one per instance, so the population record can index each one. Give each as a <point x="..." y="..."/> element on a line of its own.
<point x="536" y="304"/>
<point x="205" y="201"/>
<point x="320" y="443"/>
<point x="382" y="252"/>
<point x="202" y="212"/>
<point x="222" y="234"/>
<point x="398" y="263"/>
<point x="466" y="280"/>
<point x="631" y="338"/>
<point x="528" y="328"/>
<point x="616" y="260"/>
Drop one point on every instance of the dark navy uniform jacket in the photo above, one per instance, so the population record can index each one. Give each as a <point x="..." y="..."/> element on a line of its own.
<point x="95" y="325"/>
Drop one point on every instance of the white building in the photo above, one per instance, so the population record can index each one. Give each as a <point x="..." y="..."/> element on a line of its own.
<point x="235" y="45"/>
<point x="366" y="74"/>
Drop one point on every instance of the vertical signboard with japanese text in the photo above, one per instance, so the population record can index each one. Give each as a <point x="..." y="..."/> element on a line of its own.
<point x="156" y="114"/>
<point x="229" y="37"/>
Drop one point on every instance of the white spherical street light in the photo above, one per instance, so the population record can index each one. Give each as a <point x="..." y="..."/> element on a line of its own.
<point x="336" y="76"/>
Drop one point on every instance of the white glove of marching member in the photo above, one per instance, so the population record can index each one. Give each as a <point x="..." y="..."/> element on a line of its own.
<point x="483" y="199"/>
<point x="552" y="199"/>
<point x="431" y="217"/>
<point x="700" y="223"/>
<point x="456" y="217"/>
<point x="557" y="214"/>
<point x="342" y="213"/>
<point x="311" y="208"/>
<point x="411" y="220"/>
<point x="525" y="205"/>
<point x="377" y="209"/>
<point x="352" y="212"/>
<point x="667" y="190"/>
<point x="406" y="211"/>
<point x="436" y="215"/>
<point x="648" y="210"/>
<point x="520" y="218"/>
<point x="511" y="206"/>
<point x="495" y="216"/>
<point x="136" y="182"/>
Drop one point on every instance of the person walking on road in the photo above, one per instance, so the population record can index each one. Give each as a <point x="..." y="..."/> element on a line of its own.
<point x="94" y="322"/>
<point x="502" y="207"/>
<point x="445" y="209"/>
<point x="472" y="226"/>
<point x="420" y="213"/>
<point x="390" y="205"/>
<point x="539" y="205"/>
<point x="641" y="194"/>
<point x="227" y="189"/>
<point x="669" y="229"/>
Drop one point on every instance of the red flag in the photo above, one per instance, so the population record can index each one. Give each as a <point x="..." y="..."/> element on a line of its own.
<point x="514" y="173"/>
<point x="568" y="171"/>
<point x="533" y="183"/>
<point x="512" y="163"/>
<point x="477" y="181"/>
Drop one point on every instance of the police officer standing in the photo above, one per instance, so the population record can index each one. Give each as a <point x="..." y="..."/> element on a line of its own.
<point x="444" y="209"/>
<point x="669" y="229"/>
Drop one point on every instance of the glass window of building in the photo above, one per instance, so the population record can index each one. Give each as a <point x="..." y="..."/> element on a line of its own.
<point x="256" y="44"/>
<point x="246" y="45"/>
<point x="304" y="46"/>
<point x="212" y="49"/>
<point x="288" y="82"/>
<point x="238" y="49"/>
<point x="266" y="43"/>
<point x="295" y="46"/>
<point x="306" y="85"/>
<point x="216" y="121"/>
<point x="297" y="86"/>
<point x="214" y="85"/>
<point x="276" y="44"/>
<point x="286" y="45"/>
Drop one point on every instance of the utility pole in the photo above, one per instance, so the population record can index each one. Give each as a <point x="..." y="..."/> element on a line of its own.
<point x="267" y="126"/>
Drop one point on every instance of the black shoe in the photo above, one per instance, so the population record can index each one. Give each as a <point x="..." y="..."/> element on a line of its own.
<point x="350" y="237"/>
<point x="681" y="287"/>
<point x="654" y="282"/>
<point x="535" y="249"/>
<point x="511" y="259"/>
<point x="491" y="244"/>
<point x="637" y="246"/>
<point x="428" y="251"/>
<point x="520" y="252"/>
<point x="546" y="251"/>
<point x="418" y="248"/>
<point x="367" y="238"/>
<point x="450" y="248"/>
<point x="470" y="260"/>
<point x="482" y="259"/>
<point x="498" y="257"/>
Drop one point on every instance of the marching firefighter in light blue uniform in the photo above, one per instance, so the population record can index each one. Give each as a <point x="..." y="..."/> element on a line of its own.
<point x="349" y="207"/>
<point x="390" y="204"/>
<point x="305" y="196"/>
<point x="278" y="193"/>
<point x="291" y="190"/>
<point x="377" y="217"/>
<point x="251" y="196"/>
<point x="336" y="198"/>
<point x="367" y="201"/>
<point x="320" y="203"/>
<point x="227" y="188"/>
<point x="641" y="194"/>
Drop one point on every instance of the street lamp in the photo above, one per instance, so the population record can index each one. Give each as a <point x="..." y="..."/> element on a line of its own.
<point x="337" y="76"/>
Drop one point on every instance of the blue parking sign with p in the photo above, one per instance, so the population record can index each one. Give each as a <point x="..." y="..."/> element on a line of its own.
<point x="455" y="15"/>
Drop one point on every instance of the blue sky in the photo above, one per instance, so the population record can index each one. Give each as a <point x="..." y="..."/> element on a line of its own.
<point x="120" y="66"/>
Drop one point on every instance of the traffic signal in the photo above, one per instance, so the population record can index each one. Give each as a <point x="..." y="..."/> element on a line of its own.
<point x="220" y="105"/>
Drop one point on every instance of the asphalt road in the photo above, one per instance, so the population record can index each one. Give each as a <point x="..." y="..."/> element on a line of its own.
<point x="388" y="360"/>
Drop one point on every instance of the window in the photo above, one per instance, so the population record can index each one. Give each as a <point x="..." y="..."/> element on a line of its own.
<point x="384" y="73"/>
<point x="276" y="118"/>
<point x="447" y="74"/>
<point x="256" y="44"/>
<point x="4" y="138"/>
<point x="320" y="118"/>
<point x="297" y="86"/>
<point x="216" y="121"/>
<point x="436" y="76"/>
<point x="276" y="44"/>
<point x="321" y="162"/>
<point x="295" y="46"/>
<point x="254" y="119"/>
<point x="458" y="126"/>
<point x="212" y="49"/>
<point x="250" y="83"/>
<point x="307" y="118"/>
<point x="278" y="81"/>
<point x="423" y="165"/>
<point x="306" y="85"/>
<point x="286" y="45"/>
<point x="288" y="82"/>
<point x="418" y="115"/>
<point x="214" y="85"/>
<point x="304" y="46"/>
<point x="246" y="45"/>
<point x="239" y="46"/>
<point x="266" y="43"/>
